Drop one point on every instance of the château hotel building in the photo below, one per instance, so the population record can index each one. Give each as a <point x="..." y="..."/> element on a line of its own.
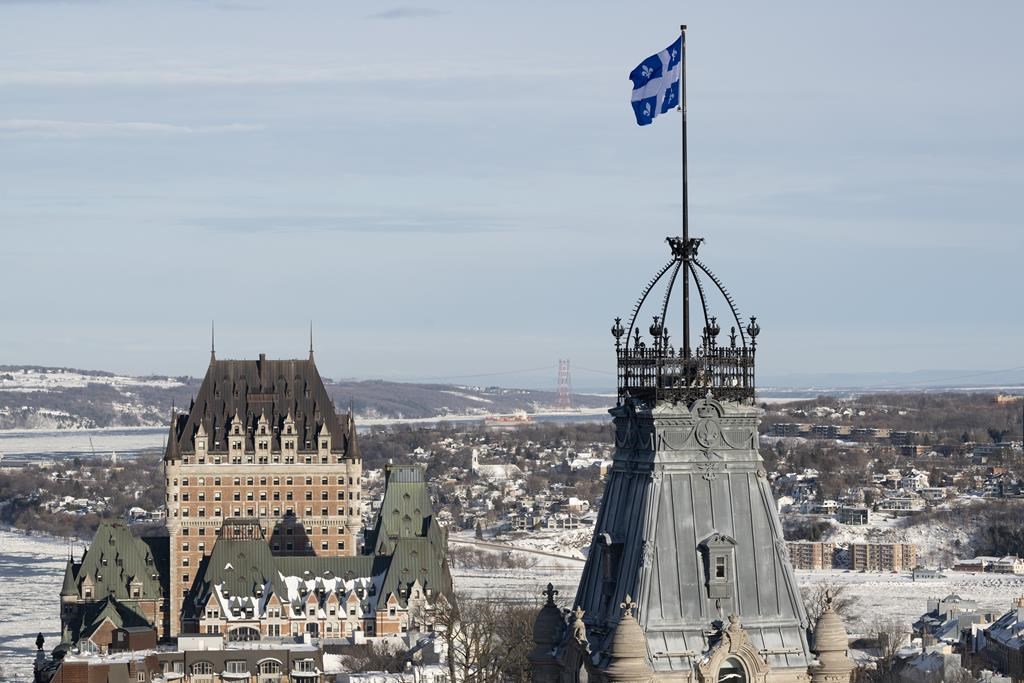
<point x="261" y="441"/>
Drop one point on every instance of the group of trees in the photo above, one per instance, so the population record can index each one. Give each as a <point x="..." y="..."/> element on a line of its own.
<point x="487" y="640"/>
<point x="473" y="558"/>
<point x="25" y="494"/>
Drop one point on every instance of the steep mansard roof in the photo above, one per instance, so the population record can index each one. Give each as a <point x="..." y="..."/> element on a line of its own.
<point x="406" y="510"/>
<point x="93" y="615"/>
<point x="406" y="546"/>
<point x="252" y="389"/>
<point x="406" y="530"/>
<point x="114" y="561"/>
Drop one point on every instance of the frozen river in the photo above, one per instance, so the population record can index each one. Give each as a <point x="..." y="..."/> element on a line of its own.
<point x="81" y="441"/>
<point x="31" y="571"/>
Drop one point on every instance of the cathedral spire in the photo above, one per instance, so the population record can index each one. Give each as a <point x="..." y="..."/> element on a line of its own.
<point x="311" y="341"/>
<point x="213" y="352"/>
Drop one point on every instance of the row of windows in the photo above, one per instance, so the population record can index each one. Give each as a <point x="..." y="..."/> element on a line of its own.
<point x="288" y="531"/>
<point x="250" y="495"/>
<point x="251" y="512"/>
<point x="237" y="458"/>
<point x="251" y="481"/>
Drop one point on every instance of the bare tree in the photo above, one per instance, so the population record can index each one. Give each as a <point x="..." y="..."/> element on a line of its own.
<point x="889" y="635"/>
<point x="486" y="640"/>
<point x="816" y="596"/>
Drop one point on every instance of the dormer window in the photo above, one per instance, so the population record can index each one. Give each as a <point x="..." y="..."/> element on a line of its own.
<point x="720" y="562"/>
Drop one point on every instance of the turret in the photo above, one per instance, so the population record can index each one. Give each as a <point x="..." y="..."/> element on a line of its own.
<point x="628" y="652"/>
<point x="68" y="589"/>
<point x="548" y="631"/>
<point x="832" y="646"/>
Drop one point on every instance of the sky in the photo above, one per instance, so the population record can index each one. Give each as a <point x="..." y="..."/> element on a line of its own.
<point x="458" y="191"/>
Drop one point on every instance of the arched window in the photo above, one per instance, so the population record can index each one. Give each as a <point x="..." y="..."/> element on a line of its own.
<point x="202" y="669"/>
<point x="270" y="666"/>
<point x="732" y="671"/>
<point x="243" y="633"/>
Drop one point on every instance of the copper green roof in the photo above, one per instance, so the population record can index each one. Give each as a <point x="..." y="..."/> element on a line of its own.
<point x="92" y="615"/>
<point x="114" y="562"/>
<point x="68" y="588"/>
<point x="406" y="546"/>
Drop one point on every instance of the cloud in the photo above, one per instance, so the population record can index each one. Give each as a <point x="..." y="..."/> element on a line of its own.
<point x="255" y="74"/>
<point x="418" y="220"/>
<point x="407" y="12"/>
<point x="45" y="128"/>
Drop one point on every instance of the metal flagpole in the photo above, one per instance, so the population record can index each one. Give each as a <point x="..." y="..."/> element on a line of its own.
<point x="686" y="207"/>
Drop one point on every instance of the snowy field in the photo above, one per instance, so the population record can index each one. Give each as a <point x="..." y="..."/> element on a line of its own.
<point x="52" y="379"/>
<point x="896" y="595"/>
<point x="31" y="571"/>
<point x="875" y="594"/>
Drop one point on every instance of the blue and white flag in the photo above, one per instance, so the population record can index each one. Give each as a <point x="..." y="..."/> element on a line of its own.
<point x="656" y="83"/>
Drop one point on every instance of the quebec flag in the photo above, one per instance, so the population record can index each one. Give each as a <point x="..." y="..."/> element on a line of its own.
<point x="656" y="83"/>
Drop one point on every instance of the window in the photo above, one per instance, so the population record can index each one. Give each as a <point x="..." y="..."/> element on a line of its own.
<point x="236" y="666"/>
<point x="720" y="568"/>
<point x="732" y="671"/>
<point x="202" y="669"/>
<point x="270" y="666"/>
<point x="309" y="481"/>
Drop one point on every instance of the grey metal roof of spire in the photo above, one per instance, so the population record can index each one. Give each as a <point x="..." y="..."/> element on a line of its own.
<point x="688" y="486"/>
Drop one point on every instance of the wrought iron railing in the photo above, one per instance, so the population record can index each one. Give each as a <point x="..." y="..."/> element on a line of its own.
<point x="656" y="373"/>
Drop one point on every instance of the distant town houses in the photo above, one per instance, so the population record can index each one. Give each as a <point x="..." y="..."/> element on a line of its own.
<point x="998" y="646"/>
<point x="947" y="617"/>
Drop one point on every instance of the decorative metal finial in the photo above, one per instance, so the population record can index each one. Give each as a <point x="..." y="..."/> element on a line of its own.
<point x="713" y="327"/>
<point x="732" y="337"/>
<point x="550" y="592"/>
<point x="753" y="329"/>
<point x="617" y="330"/>
<point x="628" y="605"/>
<point x="656" y="327"/>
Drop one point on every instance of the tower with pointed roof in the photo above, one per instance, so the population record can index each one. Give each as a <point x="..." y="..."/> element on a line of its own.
<point x="687" y="526"/>
<point x="261" y="441"/>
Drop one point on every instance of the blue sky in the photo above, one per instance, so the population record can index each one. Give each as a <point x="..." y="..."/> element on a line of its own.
<point x="456" y="190"/>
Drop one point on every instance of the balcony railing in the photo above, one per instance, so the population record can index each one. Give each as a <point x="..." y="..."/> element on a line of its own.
<point x="653" y="374"/>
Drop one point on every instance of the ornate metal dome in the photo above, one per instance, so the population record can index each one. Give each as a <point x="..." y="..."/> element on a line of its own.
<point x="651" y="369"/>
